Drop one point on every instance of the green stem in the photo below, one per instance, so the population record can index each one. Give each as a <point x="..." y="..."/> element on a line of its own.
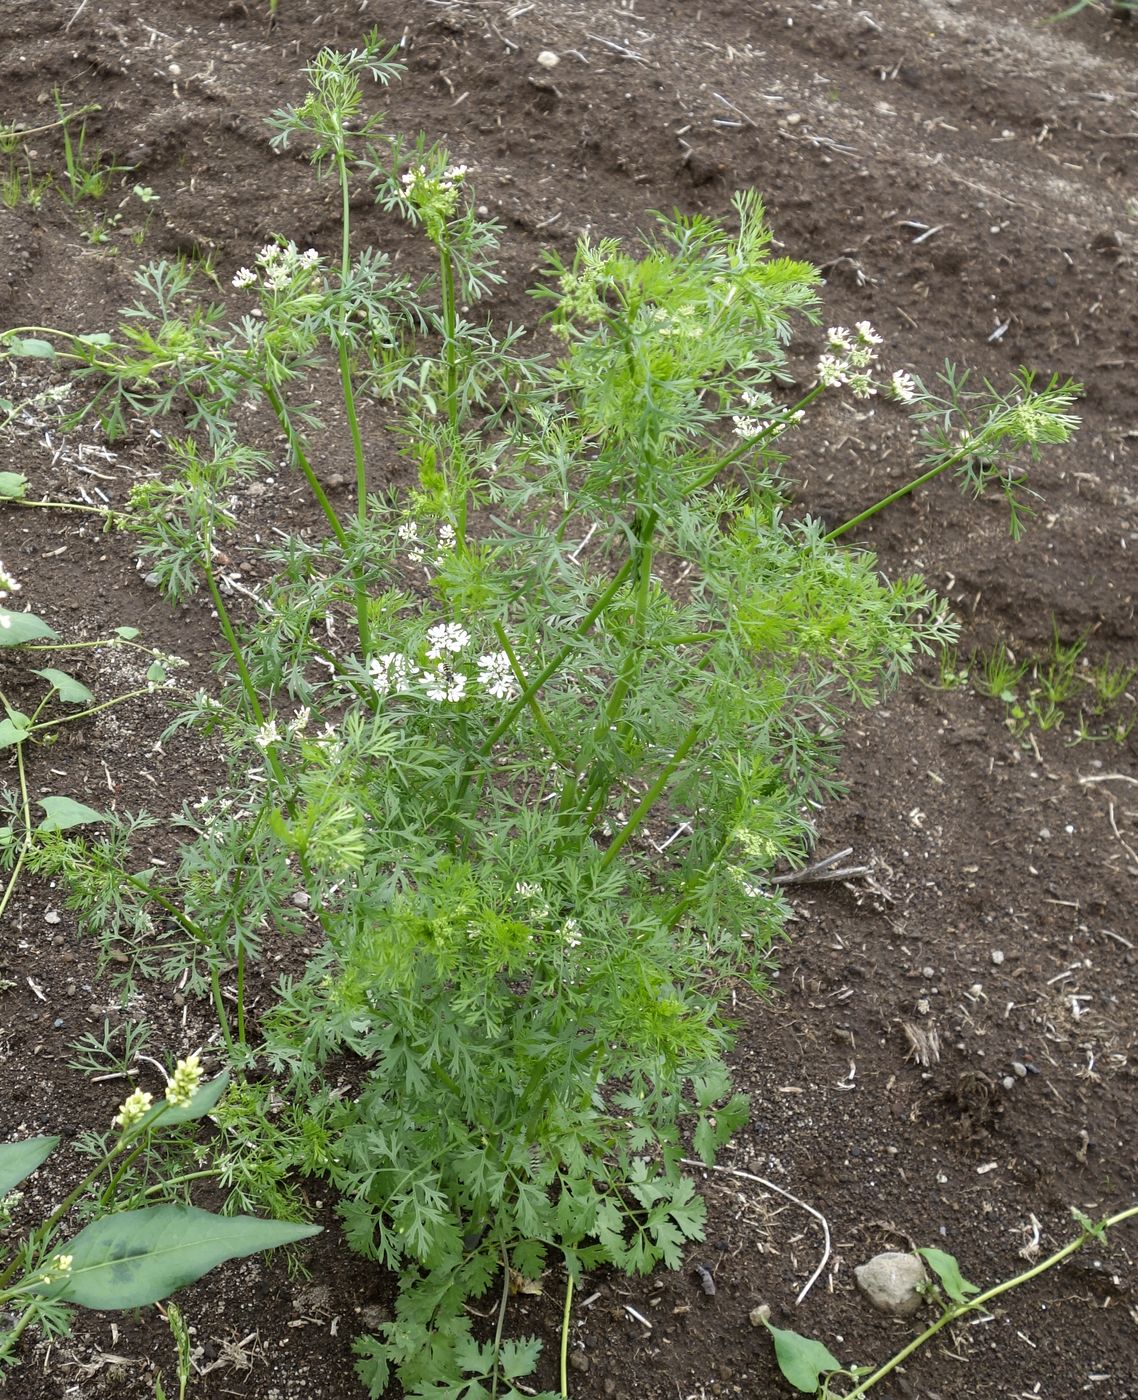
<point x="501" y="1320"/>
<point x="26" y="843"/>
<point x="983" y="1299"/>
<point x="219" y="1007"/>
<point x="565" y="1338"/>
<point x="362" y="625"/>
<point x="548" y="670"/>
<point x="648" y="801"/>
<point x="450" y="331"/>
<point x="231" y="636"/>
<point x="534" y="704"/>
<point x="94" y="709"/>
<point x="899" y="494"/>
<point x="296" y="447"/>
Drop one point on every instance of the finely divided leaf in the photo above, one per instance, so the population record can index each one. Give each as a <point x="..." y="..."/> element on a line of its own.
<point x="20" y="1159"/>
<point x="801" y="1359"/>
<point x="948" y="1271"/>
<point x="141" y="1256"/>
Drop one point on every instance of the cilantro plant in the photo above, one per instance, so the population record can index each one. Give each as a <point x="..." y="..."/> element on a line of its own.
<point x="525" y="741"/>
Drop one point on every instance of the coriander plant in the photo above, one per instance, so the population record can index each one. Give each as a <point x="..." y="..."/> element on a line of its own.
<point x="523" y="742"/>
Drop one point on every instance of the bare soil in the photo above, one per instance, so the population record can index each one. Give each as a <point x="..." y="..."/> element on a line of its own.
<point x="950" y="1054"/>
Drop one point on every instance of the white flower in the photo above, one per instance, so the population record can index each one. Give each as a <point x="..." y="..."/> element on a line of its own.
<point x="454" y="173"/>
<point x="309" y="258"/>
<point x="838" y="339"/>
<point x="444" y="686"/>
<point x="267" y="734"/>
<point x="299" y="722"/>
<point x="444" y="637"/>
<point x="831" y="371"/>
<point x="747" y="427"/>
<point x="388" y="672"/>
<point x="496" y="677"/>
<point x="269" y="253"/>
<point x="244" y="277"/>
<point x="571" y="931"/>
<point x="862" y="386"/>
<point x="903" y="387"/>
<point x="446" y="535"/>
<point x="413" y="175"/>
<point x="7" y="583"/>
<point x="408" y="532"/>
<point x="866" y="334"/>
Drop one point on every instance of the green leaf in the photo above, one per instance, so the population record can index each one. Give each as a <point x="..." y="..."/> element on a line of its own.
<point x="374" y="1365"/>
<point x="64" y="812"/>
<point x="20" y="1159"/>
<point x="203" y="1102"/>
<point x="17" y="628"/>
<point x="948" y="1271"/>
<point x="15" y="729"/>
<point x="13" y="486"/>
<point x="98" y="338"/>
<point x="138" y="1257"/>
<point x="156" y="673"/>
<point x="69" y="690"/>
<point x="518" y="1358"/>
<point x="30" y="347"/>
<point x="801" y="1359"/>
<point x="128" y="634"/>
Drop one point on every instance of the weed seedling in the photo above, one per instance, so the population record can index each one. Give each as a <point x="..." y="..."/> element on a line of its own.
<point x="87" y="176"/>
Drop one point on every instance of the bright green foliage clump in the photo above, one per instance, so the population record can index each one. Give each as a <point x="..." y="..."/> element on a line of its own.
<point x="527" y="740"/>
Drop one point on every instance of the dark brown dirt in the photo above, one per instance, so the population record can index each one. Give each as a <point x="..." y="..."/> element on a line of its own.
<point x="998" y="919"/>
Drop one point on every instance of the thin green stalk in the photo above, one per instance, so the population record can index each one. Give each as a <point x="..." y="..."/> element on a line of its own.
<point x="501" y="1320"/>
<point x="94" y="709"/>
<point x="983" y="1299"/>
<point x="548" y="670"/>
<point x="231" y="637"/>
<point x="648" y="801"/>
<point x="899" y="494"/>
<point x="219" y="1007"/>
<point x="450" y="331"/>
<point x="565" y="1338"/>
<point x="301" y="458"/>
<point x="534" y="704"/>
<point x="26" y="843"/>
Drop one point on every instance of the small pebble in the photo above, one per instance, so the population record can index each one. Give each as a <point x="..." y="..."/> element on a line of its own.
<point x="59" y="1023"/>
<point x="997" y="956"/>
<point x="760" y="1314"/>
<point x="548" y="59"/>
<point x="928" y="973"/>
<point x="1008" y="1082"/>
<point x="578" y="1360"/>
<point x="1019" y="1069"/>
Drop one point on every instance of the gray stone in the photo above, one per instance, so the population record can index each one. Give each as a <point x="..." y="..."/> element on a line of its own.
<point x="890" y="1282"/>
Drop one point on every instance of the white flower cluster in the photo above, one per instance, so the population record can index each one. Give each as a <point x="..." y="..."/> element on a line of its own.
<point x="851" y="358"/>
<point x="278" y="263"/>
<point x="408" y="533"/>
<point x="271" y="733"/>
<point x="446" y="683"/>
<point x="8" y="585"/>
<point x="419" y="175"/>
<point x="750" y="425"/>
